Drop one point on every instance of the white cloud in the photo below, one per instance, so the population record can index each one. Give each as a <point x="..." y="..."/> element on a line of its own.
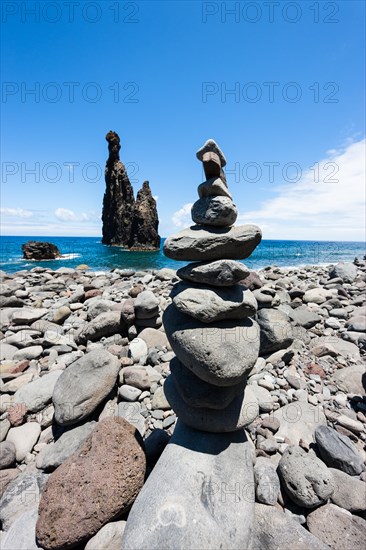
<point x="327" y="204"/>
<point x="65" y="215"/>
<point x="182" y="217"/>
<point x="16" y="212"/>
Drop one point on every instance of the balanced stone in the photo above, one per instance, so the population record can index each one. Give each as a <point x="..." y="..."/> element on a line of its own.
<point x="211" y="146"/>
<point x="197" y="393"/>
<point x="221" y="353"/>
<point x="199" y="244"/>
<point x="219" y="273"/>
<point x="239" y="413"/>
<point x="213" y="187"/>
<point x="215" y="211"/>
<point x="214" y="304"/>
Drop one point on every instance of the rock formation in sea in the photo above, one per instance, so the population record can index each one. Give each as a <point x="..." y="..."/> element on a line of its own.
<point x="126" y="222"/>
<point x="40" y="250"/>
<point x="145" y="221"/>
<point x="216" y="343"/>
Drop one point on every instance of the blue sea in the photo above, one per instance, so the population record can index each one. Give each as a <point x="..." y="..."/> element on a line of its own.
<point x="90" y="251"/>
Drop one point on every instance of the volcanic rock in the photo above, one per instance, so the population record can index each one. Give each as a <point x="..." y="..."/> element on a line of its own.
<point x="40" y="250"/>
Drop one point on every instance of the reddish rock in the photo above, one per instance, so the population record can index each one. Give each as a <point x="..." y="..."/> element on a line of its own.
<point x="95" y="485"/>
<point x="21" y="366"/>
<point x="313" y="368"/>
<point x="92" y="293"/>
<point x="17" y="413"/>
<point x="126" y="361"/>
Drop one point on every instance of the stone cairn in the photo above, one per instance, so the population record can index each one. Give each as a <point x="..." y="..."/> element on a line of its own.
<point x="188" y="501"/>
<point x="208" y="324"/>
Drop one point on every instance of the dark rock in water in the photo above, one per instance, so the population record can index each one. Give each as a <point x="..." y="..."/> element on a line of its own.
<point x="144" y="230"/>
<point x="118" y="201"/>
<point x="39" y="250"/>
<point x="126" y="222"/>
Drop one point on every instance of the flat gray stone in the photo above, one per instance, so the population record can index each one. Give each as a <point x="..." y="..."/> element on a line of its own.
<point x="214" y="187"/>
<point x="337" y="527"/>
<point x="197" y="393"/>
<point x="304" y="317"/>
<point x="275" y="530"/>
<point x="24" y="438"/>
<point x="306" y="479"/>
<point x="38" y="393"/>
<point x="22" y="533"/>
<point x="220" y="273"/>
<point x="275" y="330"/>
<point x="298" y="420"/>
<point x="188" y="501"/>
<point x="209" y="304"/>
<point x="238" y="414"/>
<point x="21" y="495"/>
<point x="7" y="454"/>
<point x="215" y="211"/>
<point x="108" y="538"/>
<point x="7" y="352"/>
<point x="146" y="305"/>
<point x="27" y="315"/>
<point x="349" y="493"/>
<point x="338" y="451"/>
<point x="199" y="244"/>
<point x="105" y="324"/>
<point x="31" y="352"/>
<point x="351" y="379"/>
<point x="267" y="483"/>
<point x="56" y="453"/>
<point x="84" y="385"/>
<point x="221" y="353"/>
<point x="344" y="270"/>
<point x="333" y="346"/>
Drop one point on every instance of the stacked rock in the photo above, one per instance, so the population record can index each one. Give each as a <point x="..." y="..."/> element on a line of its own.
<point x="209" y="323"/>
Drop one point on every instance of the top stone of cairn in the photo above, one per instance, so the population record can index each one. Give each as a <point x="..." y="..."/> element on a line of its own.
<point x="211" y="147"/>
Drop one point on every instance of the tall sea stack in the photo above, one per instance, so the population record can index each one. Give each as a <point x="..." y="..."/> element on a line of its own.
<point x="126" y="222"/>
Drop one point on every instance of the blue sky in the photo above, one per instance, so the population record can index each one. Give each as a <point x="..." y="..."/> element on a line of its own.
<point x="279" y="85"/>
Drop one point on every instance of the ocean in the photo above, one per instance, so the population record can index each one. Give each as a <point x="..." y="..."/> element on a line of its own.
<point x="90" y="251"/>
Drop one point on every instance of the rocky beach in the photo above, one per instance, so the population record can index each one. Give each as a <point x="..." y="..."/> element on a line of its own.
<point x="80" y="349"/>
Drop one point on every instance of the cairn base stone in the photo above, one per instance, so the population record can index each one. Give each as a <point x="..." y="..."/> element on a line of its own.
<point x="199" y="495"/>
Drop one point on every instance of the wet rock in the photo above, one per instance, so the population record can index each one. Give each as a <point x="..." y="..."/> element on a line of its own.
<point x="40" y="250"/>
